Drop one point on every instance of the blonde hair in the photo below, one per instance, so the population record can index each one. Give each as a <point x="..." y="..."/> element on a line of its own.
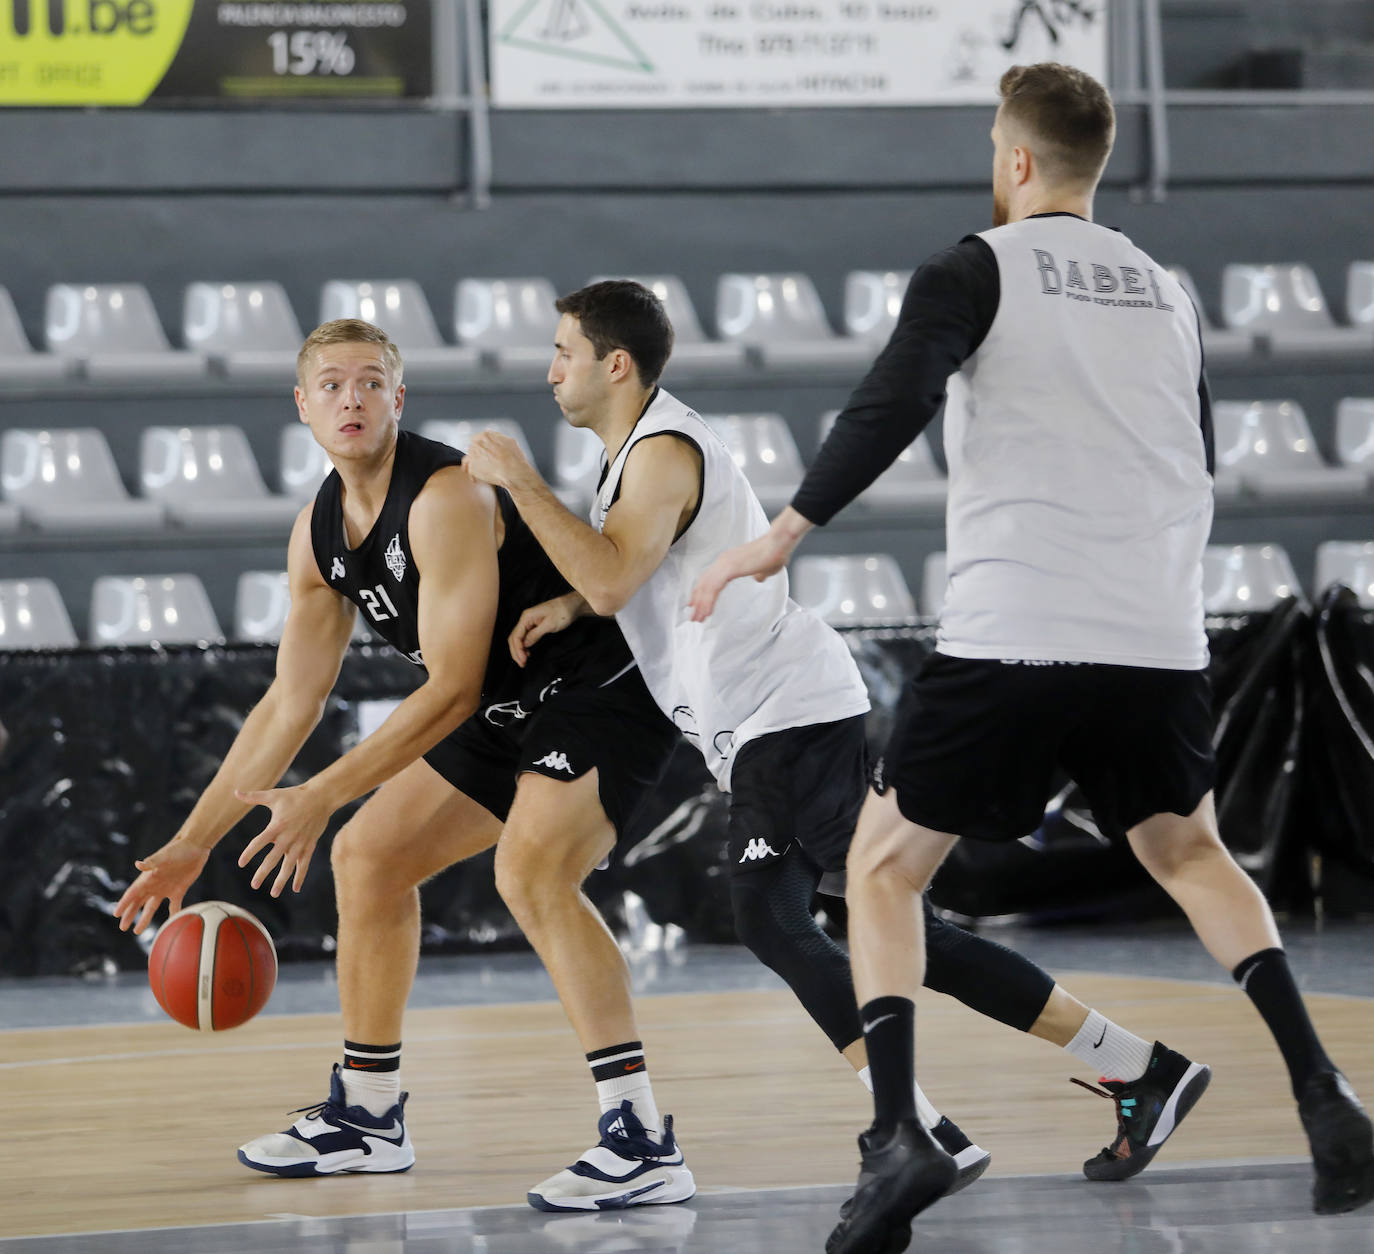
<point x="1068" y="114"/>
<point x="349" y="331"/>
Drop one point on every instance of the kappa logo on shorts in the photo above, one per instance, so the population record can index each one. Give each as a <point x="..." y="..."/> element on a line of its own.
<point x="758" y="848"/>
<point x="555" y="760"/>
<point x="336" y="571"/>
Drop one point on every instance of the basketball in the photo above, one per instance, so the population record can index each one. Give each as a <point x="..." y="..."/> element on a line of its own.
<point x="213" y="966"/>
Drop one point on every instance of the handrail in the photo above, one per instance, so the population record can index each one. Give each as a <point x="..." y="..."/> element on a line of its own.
<point x="1152" y="36"/>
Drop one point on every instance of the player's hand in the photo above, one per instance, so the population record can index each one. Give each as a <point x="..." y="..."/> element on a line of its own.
<point x="166" y="874"/>
<point x="543" y="620"/>
<point x="496" y="459"/>
<point x="762" y="558"/>
<point x="298" y="821"/>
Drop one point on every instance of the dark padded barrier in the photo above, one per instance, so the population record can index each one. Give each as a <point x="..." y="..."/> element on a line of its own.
<point x="110" y="749"/>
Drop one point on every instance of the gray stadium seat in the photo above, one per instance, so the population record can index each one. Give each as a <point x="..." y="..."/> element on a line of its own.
<point x="65" y="480"/>
<point x="399" y="307"/>
<point x="694" y="355"/>
<point x="1217" y="344"/>
<point x="1269" y="447"/>
<point x="1359" y="293"/>
<point x="208" y="480"/>
<point x="853" y="590"/>
<point x="304" y="464"/>
<point x="114" y="331"/>
<point x="261" y="601"/>
<point x="248" y="330"/>
<point x="577" y="455"/>
<point x="152" y="609"/>
<point x="1350" y="562"/>
<point x="512" y="321"/>
<point x="1285" y="304"/>
<point x="912" y="482"/>
<point x="872" y="301"/>
<point x="781" y="319"/>
<point x="19" y="364"/>
<point x="763" y="447"/>
<point x="459" y="431"/>
<point x="32" y="616"/>
<point x="1244" y="578"/>
<point x="1355" y="433"/>
<point x="934" y="579"/>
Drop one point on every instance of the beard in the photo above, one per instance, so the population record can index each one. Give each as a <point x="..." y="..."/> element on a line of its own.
<point x="1000" y="211"/>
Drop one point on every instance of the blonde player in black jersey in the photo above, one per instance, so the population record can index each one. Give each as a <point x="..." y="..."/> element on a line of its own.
<point x="1079" y="445"/>
<point x="545" y="764"/>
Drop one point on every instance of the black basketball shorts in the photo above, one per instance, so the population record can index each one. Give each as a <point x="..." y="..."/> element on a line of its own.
<point x="802" y="785"/>
<point x="976" y="743"/>
<point x="616" y="729"/>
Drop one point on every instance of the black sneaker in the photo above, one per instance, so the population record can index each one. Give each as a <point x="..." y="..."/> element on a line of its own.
<point x="971" y="1160"/>
<point x="900" y="1175"/>
<point x="1147" y="1112"/>
<point x="1339" y="1131"/>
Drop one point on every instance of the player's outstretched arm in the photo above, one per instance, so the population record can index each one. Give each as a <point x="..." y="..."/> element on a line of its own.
<point x="312" y="647"/>
<point x="760" y="559"/>
<point x="658" y="491"/>
<point x="453" y="540"/>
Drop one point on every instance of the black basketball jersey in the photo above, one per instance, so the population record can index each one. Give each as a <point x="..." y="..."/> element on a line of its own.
<point x="380" y="577"/>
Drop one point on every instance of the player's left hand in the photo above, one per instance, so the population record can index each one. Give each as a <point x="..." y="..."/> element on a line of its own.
<point x="496" y="459"/>
<point x="298" y="821"/>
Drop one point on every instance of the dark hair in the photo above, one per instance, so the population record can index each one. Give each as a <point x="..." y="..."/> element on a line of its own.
<point x="1068" y="111"/>
<point x="619" y="313"/>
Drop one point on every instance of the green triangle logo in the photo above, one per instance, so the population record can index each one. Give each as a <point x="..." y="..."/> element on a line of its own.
<point x="580" y="30"/>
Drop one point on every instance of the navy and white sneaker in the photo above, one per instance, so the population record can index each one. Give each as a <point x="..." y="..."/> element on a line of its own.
<point x="333" y="1137"/>
<point x="625" y="1168"/>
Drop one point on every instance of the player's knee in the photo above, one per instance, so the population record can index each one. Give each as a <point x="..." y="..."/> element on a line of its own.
<point x="1170" y="849"/>
<point x="530" y="877"/>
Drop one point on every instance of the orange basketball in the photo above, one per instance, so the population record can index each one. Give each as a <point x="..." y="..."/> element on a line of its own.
<point x="212" y="966"/>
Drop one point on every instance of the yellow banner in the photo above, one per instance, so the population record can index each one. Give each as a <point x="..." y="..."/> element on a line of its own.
<point x="87" y="52"/>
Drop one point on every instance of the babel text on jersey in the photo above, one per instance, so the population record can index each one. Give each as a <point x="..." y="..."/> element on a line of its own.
<point x="1126" y="286"/>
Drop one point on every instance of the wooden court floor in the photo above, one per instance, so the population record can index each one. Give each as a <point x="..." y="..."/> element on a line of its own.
<point x="135" y="1126"/>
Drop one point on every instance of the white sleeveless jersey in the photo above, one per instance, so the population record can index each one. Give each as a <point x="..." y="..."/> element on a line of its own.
<point x="1080" y="500"/>
<point x="760" y="663"/>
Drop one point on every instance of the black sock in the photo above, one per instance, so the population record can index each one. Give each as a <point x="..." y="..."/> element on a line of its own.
<point x="1268" y="983"/>
<point x="889" y="1025"/>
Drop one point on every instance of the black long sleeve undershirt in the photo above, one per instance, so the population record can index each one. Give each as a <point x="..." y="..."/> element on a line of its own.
<point x="948" y="308"/>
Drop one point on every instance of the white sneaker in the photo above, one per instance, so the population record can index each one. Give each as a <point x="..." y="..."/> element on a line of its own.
<point x="624" y="1168"/>
<point x="334" y="1137"/>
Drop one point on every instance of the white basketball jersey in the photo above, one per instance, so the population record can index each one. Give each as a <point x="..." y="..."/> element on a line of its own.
<point x="1079" y="499"/>
<point x="760" y="663"/>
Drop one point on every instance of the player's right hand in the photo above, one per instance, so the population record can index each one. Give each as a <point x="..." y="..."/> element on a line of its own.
<point x="537" y="622"/>
<point x="166" y="874"/>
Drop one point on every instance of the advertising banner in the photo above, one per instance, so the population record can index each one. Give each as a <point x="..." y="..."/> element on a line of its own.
<point x="751" y="53"/>
<point x="128" y="52"/>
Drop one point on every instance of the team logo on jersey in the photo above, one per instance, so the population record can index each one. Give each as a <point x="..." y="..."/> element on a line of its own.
<point x="336" y="571"/>
<point x="396" y="558"/>
<point x="555" y="760"/>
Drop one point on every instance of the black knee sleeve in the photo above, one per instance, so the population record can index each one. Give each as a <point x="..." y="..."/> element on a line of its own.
<point x="772" y="908"/>
<point x="985" y="976"/>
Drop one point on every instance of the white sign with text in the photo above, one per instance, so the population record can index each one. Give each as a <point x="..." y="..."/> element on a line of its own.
<point x="763" y="53"/>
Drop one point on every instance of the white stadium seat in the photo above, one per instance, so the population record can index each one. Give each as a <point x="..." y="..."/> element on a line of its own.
<point x="114" y="331"/>
<point x="152" y="609"/>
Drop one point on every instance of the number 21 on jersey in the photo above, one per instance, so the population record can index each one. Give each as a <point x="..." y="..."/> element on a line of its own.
<point x="378" y="603"/>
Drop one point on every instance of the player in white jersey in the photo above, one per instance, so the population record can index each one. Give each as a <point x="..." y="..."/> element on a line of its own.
<point x="766" y="691"/>
<point x="1072" y="636"/>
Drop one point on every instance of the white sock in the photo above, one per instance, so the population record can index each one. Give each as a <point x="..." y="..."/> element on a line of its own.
<point x="624" y="1077"/>
<point x="925" y="1112"/>
<point x="375" y="1093"/>
<point x="1109" y="1049"/>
